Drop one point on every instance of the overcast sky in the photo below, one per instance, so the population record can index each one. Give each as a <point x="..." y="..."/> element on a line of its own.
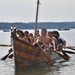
<point x="25" y="10"/>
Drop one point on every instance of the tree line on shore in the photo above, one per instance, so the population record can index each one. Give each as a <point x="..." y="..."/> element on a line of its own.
<point x="30" y="25"/>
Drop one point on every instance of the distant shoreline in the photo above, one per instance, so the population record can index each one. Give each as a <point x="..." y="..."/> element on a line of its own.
<point x="30" y="25"/>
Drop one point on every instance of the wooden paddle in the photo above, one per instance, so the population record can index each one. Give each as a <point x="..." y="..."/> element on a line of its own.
<point x="10" y="50"/>
<point x="10" y="56"/>
<point x="63" y="56"/>
<point x="48" y="57"/>
<point x="72" y="48"/>
<point x="5" y="57"/>
<point x="71" y="52"/>
<point x="4" y="45"/>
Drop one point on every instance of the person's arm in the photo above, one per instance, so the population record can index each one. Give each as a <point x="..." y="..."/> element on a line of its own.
<point x="56" y="43"/>
<point x="52" y="44"/>
<point x="64" y="43"/>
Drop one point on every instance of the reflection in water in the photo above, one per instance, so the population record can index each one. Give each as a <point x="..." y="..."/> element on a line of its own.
<point x="59" y="68"/>
<point x="44" y="69"/>
<point x="33" y="70"/>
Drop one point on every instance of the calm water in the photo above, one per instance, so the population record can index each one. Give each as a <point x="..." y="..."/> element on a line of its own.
<point x="61" y="67"/>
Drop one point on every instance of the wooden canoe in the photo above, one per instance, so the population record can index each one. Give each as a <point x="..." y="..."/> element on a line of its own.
<point x="26" y="54"/>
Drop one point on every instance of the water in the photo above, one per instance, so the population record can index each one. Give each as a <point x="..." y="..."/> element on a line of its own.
<point x="61" y="67"/>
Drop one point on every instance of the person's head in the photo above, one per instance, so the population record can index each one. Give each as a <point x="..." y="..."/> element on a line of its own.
<point x="30" y="35"/>
<point x="37" y="32"/>
<point x="20" y="33"/>
<point x="56" y="34"/>
<point x="50" y="34"/>
<point x="26" y="33"/>
<point x="43" y="31"/>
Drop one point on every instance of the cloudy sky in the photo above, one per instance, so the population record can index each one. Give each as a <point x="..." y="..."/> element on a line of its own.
<point x="25" y="10"/>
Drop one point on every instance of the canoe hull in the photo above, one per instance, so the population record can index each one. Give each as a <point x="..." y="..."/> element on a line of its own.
<point x="26" y="54"/>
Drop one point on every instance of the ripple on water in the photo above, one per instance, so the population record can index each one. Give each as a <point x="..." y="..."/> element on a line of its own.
<point x="7" y="67"/>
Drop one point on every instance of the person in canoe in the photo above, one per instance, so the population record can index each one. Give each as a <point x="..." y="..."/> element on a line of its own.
<point x="31" y="37"/>
<point x="37" y="34"/>
<point x="26" y="36"/>
<point x="61" y="42"/>
<point x="20" y="35"/>
<point x="44" y="40"/>
<point x="54" y="40"/>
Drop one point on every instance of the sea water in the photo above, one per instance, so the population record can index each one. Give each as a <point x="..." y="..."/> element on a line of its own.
<point x="61" y="67"/>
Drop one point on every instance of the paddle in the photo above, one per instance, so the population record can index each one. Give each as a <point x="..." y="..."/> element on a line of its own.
<point x="64" y="57"/>
<point x="72" y="48"/>
<point x="4" y="45"/>
<point x="71" y="52"/>
<point x="10" y="56"/>
<point x="48" y="57"/>
<point x="4" y="58"/>
<point x="10" y="50"/>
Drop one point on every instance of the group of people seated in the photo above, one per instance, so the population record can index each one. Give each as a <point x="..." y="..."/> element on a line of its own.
<point x="46" y="39"/>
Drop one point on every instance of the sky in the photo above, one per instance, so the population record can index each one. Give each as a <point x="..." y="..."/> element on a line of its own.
<point x="25" y="10"/>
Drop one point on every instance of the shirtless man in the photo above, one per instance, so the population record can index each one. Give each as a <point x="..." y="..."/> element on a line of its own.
<point x="46" y="39"/>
